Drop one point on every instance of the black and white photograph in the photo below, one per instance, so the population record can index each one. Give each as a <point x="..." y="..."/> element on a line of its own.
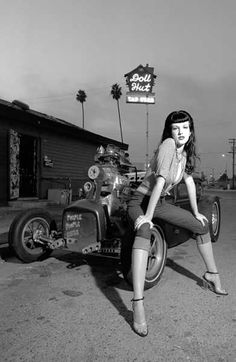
<point x="117" y="181"/>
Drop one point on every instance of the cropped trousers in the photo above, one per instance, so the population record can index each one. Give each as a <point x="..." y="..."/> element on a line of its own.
<point x="165" y="211"/>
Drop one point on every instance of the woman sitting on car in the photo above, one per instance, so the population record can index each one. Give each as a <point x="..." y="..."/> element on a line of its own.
<point x="174" y="159"/>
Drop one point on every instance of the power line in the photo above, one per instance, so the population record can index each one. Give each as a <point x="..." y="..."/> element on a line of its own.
<point x="51" y="97"/>
<point x="88" y="90"/>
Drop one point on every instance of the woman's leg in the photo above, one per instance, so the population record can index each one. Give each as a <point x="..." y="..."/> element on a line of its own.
<point x="184" y="218"/>
<point x="139" y="266"/>
<point x="141" y="246"/>
<point x="204" y="245"/>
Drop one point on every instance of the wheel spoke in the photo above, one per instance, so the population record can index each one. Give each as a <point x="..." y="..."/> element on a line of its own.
<point x="30" y="227"/>
<point x="27" y="238"/>
<point x="32" y="231"/>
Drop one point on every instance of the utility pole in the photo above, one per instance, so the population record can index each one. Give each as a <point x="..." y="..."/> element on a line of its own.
<point x="147" y="134"/>
<point x="213" y="174"/>
<point x="232" y="141"/>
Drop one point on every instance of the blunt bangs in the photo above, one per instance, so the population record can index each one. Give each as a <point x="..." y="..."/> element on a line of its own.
<point x="179" y="117"/>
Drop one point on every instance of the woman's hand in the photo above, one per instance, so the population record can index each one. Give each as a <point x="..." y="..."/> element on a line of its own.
<point x="142" y="219"/>
<point x="201" y="218"/>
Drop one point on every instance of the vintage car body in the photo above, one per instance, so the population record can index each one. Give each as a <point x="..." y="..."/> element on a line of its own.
<point x="98" y="223"/>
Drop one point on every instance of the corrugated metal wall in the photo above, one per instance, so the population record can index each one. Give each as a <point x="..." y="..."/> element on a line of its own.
<point x="70" y="158"/>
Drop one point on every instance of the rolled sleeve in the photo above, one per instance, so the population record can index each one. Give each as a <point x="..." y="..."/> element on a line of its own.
<point x="165" y="156"/>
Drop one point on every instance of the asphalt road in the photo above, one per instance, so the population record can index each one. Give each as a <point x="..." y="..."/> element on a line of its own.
<point x="69" y="309"/>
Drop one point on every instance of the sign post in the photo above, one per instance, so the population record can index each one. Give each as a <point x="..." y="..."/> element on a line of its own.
<point x="140" y="82"/>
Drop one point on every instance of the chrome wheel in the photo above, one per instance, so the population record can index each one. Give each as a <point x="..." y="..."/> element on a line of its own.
<point x="156" y="257"/>
<point x="31" y="233"/>
<point x="215" y="218"/>
<point x="26" y="233"/>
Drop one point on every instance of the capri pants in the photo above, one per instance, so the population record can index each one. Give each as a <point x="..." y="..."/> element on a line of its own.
<point x="165" y="211"/>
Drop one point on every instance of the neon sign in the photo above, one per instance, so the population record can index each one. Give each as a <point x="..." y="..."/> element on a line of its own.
<point x="140" y="82"/>
<point x="141" y="98"/>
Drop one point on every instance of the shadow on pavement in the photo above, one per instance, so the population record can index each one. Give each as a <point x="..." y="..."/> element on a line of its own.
<point x="108" y="278"/>
<point x="183" y="271"/>
<point x="7" y="255"/>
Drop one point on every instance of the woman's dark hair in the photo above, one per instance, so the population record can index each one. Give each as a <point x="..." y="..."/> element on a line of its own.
<point x="190" y="146"/>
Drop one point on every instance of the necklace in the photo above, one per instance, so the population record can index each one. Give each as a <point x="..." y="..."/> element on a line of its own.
<point x="179" y="155"/>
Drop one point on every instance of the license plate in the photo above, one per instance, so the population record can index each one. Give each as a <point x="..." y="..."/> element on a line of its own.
<point x="72" y="224"/>
<point x="80" y="226"/>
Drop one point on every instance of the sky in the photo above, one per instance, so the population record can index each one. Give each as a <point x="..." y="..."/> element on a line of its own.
<point x="51" y="49"/>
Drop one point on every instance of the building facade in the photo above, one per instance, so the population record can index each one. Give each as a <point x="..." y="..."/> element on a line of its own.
<point x="39" y="152"/>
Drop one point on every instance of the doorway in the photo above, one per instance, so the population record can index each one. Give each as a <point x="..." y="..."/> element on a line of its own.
<point x="28" y="166"/>
<point x="23" y="165"/>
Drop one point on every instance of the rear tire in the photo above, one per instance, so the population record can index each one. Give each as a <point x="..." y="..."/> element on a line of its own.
<point x="24" y="231"/>
<point x="210" y="207"/>
<point x="156" y="258"/>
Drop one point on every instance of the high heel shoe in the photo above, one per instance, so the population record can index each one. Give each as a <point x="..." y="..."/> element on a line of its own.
<point x="140" y="328"/>
<point x="211" y="285"/>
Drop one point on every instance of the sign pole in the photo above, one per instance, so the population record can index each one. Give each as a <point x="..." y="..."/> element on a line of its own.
<point x="147" y="131"/>
<point x="140" y="82"/>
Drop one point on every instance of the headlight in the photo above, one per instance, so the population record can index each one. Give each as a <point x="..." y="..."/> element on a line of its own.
<point x="93" y="172"/>
<point x="88" y="186"/>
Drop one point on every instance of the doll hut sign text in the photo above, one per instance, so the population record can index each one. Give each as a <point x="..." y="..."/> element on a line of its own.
<point x="140" y="82"/>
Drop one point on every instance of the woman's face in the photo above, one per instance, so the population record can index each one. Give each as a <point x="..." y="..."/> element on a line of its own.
<point x="180" y="133"/>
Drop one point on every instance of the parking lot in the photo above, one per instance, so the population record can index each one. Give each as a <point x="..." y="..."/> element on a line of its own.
<point x="67" y="308"/>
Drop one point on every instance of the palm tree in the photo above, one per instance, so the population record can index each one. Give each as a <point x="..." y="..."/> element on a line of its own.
<point x="116" y="94"/>
<point x="81" y="97"/>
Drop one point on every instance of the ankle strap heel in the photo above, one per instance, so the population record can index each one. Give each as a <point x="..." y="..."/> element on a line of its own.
<point x="213" y="285"/>
<point x="140" y="328"/>
<point x="137" y="300"/>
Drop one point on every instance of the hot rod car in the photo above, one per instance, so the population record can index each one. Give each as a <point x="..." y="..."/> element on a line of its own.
<point x="98" y="224"/>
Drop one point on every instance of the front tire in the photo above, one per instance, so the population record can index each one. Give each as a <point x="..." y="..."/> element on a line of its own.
<point x="25" y="232"/>
<point x="156" y="258"/>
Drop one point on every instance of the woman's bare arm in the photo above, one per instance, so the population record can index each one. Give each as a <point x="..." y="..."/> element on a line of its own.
<point x="156" y="193"/>
<point x="191" y="188"/>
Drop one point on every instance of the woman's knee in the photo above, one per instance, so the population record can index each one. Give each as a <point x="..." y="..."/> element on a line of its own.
<point x="203" y="239"/>
<point x="144" y="231"/>
<point x="202" y="229"/>
<point x="142" y="238"/>
<point x="202" y="235"/>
